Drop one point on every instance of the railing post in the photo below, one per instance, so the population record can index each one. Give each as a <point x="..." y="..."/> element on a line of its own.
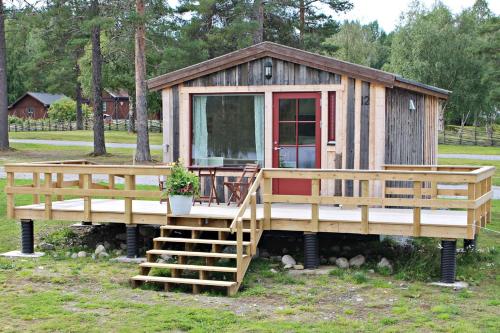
<point x="484" y="190"/>
<point x="36" y="185"/>
<point x="239" y="250"/>
<point x="111" y="183"/>
<point x="129" y="186"/>
<point x="417" y="195"/>
<point x="10" y="196"/>
<point x="59" y="182"/>
<point x="253" y="223"/>
<point x="364" y="208"/>
<point x="478" y="210"/>
<point x="488" y="203"/>
<point x="48" y="196"/>
<point x="471" y="193"/>
<point x="315" y="205"/>
<point x="268" y="189"/>
<point x="87" y="200"/>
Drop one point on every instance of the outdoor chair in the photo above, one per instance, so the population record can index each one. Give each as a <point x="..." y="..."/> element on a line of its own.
<point x="239" y="188"/>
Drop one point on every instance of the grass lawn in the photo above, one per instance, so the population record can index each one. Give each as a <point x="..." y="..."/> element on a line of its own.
<point x="36" y="152"/>
<point x="475" y="150"/>
<point x="111" y="136"/>
<point x="54" y="293"/>
<point x="459" y="161"/>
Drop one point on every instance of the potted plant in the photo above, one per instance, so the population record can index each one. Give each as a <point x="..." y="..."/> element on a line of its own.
<point x="181" y="187"/>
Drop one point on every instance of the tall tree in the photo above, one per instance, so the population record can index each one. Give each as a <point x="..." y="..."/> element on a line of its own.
<point x="4" y="123"/>
<point x="142" y="153"/>
<point x="99" y="143"/>
<point x="258" y="35"/>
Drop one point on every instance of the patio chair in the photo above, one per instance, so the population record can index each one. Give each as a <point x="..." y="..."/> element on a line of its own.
<point x="239" y="188"/>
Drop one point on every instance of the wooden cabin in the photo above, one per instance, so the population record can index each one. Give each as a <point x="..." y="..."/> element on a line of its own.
<point x="33" y="105"/>
<point x="288" y="108"/>
<point x="116" y="103"/>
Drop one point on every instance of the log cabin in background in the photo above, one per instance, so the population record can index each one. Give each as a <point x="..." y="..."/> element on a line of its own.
<point x="287" y="108"/>
<point x="33" y="105"/>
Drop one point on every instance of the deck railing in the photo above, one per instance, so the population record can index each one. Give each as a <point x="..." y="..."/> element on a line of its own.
<point x="75" y="179"/>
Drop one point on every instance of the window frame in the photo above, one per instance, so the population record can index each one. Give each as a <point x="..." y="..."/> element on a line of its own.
<point x="331" y="119"/>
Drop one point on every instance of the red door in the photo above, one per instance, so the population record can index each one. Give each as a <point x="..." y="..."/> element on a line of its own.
<point x="296" y="138"/>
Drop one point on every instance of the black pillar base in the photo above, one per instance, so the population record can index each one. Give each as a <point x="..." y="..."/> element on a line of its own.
<point x="27" y="237"/>
<point x="86" y="223"/>
<point x="311" y="251"/>
<point x="448" y="260"/>
<point x="470" y="244"/>
<point x="132" y="235"/>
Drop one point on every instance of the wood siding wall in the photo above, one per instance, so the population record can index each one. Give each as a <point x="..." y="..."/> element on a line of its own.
<point x="252" y="73"/>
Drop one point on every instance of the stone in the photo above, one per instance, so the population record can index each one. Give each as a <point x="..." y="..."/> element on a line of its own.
<point x="107" y="245"/>
<point x="74" y="256"/>
<point x="357" y="261"/>
<point x="272" y="270"/>
<point x="288" y="266"/>
<point x="99" y="249"/>
<point x="68" y="254"/>
<point x="332" y="260"/>
<point x="46" y="246"/>
<point x="323" y="261"/>
<point x="103" y="255"/>
<point x="160" y="261"/>
<point x="457" y="285"/>
<point x="342" y="263"/>
<point x="288" y="260"/>
<point x="118" y="253"/>
<point x="94" y="256"/>
<point x="275" y="258"/>
<point x="82" y="254"/>
<point x="299" y="267"/>
<point x="121" y="237"/>
<point x="123" y="246"/>
<point x="166" y="257"/>
<point x="229" y="249"/>
<point x="385" y="263"/>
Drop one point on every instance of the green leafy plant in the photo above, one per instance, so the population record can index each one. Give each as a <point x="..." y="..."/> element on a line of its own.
<point x="65" y="110"/>
<point x="182" y="182"/>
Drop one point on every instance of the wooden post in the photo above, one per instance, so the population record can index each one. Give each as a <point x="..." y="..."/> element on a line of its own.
<point x="365" y="229"/>
<point x="268" y="189"/>
<point x="484" y="190"/>
<point x="239" y="250"/>
<point x="36" y="185"/>
<point x="111" y="183"/>
<point x="10" y="196"/>
<point x="48" y="197"/>
<point x="471" y="192"/>
<point x="253" y="223"/>
<point x="315" y="205"/>
<point x="488" y="204"/>
<point x="477" y="211"/>
<point x="129" y="185"/>
<point x="87" y="200"/>
<point x="417" y="195"/>
<point x="59" y="182"/>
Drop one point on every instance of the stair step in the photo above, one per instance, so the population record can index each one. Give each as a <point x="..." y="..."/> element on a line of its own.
<point x="190" y="267"/>
<point x="195" y="254"/>
<point x="183" y="227"/>
<point x="197" y="241"/>
<point x="147" y="278"/>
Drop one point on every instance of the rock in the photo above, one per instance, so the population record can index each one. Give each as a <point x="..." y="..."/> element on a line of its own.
<point x="121" y="237"/>
<point x="160" y="261"/>
<point x="123" y="246"/>
<point x="166" y="257"/>
<point x="288" y="260"/>
<point x="118" y="253"/>
<point x="103" y="255"/>
<point x="275" y="258"/>
<point x="82" y="254"/>
<point x="107" y="245"/>
<point x="323" y="261"/>
<point x="68" y="254"/>
<point x="342" y="263"/>
<point x="272" y="270"/>
<point x="46" y="246"/>
<point x="94" y="257"/>
<point x="99" y="249"/>
<point x="264" y="254"/>
<point x="357" y="261"/>
<point x="299" y="267"/>
<point x="229" y="249"/>
<point x="288" y="266"/>
<point x="332" y="260"/>
<point x="74" y="256"/>
<point x="385" y="263"/>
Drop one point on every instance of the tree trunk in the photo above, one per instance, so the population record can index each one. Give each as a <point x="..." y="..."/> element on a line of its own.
<point x="99" y="143"/>
<point x="142" y="153"/>
<point x="131" y="115"/>
<point x="78" y="94"/>
<point x="302" y="22"/>
<point x="258" y="35"/>
<point x="4" y="116"/>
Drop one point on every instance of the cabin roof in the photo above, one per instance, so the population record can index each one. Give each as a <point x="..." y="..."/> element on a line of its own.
<point x="286" y="53"/>
<point x="45" y="98"/>
<point x="119" y="93"/>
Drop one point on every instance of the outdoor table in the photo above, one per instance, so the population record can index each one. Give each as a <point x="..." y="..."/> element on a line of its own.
<point x="210" y="173"/>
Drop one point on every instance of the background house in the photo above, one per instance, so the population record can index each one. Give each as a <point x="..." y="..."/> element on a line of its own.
<point x="34" y="105"/>
<point x="116" y="103"/>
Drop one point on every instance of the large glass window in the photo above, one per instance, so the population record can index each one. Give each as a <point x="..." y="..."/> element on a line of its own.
<point x="227" y="129"/>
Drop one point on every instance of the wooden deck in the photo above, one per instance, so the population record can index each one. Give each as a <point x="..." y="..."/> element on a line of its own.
<point x="400" y="200"/>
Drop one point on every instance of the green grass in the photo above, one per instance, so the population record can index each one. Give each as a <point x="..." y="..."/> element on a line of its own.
<point x="111" y="136"/>
<point x="474" y="150"/>
<point x="460" y="161"/>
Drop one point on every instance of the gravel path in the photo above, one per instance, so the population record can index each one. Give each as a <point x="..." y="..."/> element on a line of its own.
<point x="79" y="143"/>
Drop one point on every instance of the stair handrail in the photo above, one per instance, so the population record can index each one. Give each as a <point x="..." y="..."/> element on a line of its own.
<point x="244" y="205"/>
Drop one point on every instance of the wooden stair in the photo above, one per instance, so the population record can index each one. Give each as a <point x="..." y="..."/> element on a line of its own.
<point x="205" y="244"/>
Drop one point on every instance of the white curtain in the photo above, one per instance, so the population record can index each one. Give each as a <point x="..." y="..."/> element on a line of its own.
<point x="200" y="149"/>
<point x="259" y="128"/>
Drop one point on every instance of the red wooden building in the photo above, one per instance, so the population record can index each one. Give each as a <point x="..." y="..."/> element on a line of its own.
<point x="34" y="105"/>
<point x="116" y="103"/>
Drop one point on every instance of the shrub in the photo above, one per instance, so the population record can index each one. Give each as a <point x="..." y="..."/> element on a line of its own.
<point x="65" y="110"/>
<point x="182" y="182"/>
<point x="15" y="120"/>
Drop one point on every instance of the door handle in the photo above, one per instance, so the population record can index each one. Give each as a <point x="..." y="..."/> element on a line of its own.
<point x="278" y="148"/>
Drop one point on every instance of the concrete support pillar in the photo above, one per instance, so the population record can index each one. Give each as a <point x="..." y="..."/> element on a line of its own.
<point x="132" y="237"/>
<point x="27" y="237"/>
<point x="311" y="250"/>
<point x="470" y="244"/>
<point x="448" y="261"/>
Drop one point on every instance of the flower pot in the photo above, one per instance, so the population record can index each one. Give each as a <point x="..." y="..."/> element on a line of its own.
<point x="181" y="204"/>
